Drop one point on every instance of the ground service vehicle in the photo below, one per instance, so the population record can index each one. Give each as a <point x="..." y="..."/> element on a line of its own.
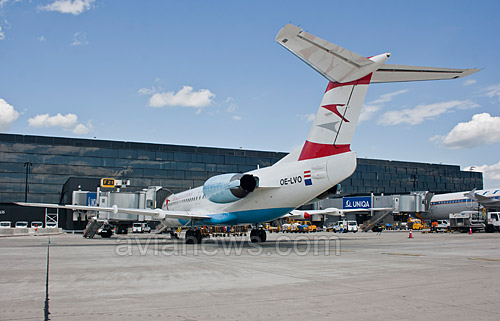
<point x="415" y="224"/>
<point x="338" y="227"/>
<point x="311" y="227"/>
<point x="466" y="221"/>
<point x="442" y="225"/>
<point x="286" y="227"/>
<point x="141" y="228"/>
<point x="492" y="222"/>
<point x="274" y="229"/>
<point x="345" y="226"/>
<point x="352" y="226"/>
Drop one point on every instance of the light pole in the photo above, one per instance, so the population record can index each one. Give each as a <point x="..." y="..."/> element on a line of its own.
<point x="27" y="165"/>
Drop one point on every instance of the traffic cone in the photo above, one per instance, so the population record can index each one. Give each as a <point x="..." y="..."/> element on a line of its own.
<point x="470" y="230"/>
<point x="410" y="236"/>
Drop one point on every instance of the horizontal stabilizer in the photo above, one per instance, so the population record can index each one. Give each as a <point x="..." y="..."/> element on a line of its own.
<point x="400" y="73"/>
<point x="340" y="65"/>
<point x="335" y="63"/>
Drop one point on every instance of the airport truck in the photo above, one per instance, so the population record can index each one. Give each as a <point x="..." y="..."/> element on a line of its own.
<point x="466" y="221"/>
<point x="492" y="222"/>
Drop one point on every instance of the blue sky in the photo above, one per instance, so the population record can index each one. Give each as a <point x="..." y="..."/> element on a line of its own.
<point x="209" y="73"/>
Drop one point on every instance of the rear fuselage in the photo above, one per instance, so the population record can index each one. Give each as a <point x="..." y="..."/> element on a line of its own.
<point x="282" y="188"/>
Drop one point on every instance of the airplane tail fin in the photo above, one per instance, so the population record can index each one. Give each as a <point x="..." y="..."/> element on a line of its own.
<point x="349" y="75"/>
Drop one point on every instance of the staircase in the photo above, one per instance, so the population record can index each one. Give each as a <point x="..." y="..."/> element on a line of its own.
<point x="92" y="228"/>
<point x="160" y="228"/>
<point x="375" y="219"/>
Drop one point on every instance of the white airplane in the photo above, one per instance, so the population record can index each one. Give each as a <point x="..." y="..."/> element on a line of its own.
<point x="442" y="205"/>
<point x="325" y="159"/>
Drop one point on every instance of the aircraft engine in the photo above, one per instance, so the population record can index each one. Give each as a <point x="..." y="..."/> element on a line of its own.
<point x="227" y="188"/>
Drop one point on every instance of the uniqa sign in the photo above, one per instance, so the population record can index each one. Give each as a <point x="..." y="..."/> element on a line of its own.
<point x="357" y="202"/>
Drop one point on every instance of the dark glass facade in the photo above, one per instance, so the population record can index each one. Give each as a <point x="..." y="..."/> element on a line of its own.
<point x="395" y="177"/>
<point x="55" y="159"/>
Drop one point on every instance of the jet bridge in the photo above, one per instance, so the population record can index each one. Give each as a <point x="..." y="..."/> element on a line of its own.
<point x="414" y="203"/>
<point x="150" y="197"/>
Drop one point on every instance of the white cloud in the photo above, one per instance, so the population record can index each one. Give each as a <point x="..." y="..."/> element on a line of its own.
<point x="4" y="24"/>
<point x="4" y="2"/>
<point x="7" y="115"/>
<point x="82" y="129"/>
<point x="147" y="91"/>
<point x="493" y="91"/>
<point x="483" y="129"/>
<point x="74" y="7"/>
<point x="80" y="39"/>
<point x="371" y="108"/>
<point x="185" y="97"/>
<point x="41" y="38"/>
<point x="232" y="105"/>
<point x="67" y="122"/>
<point x="469" y="82"/>
<point x="385" y="98"/>
<point x="237" y="117"/>
<point x="491" y="174"/>
<point x="367" y="112"/>
<point x="422" y="113"/>
<point x="307" y="117"/>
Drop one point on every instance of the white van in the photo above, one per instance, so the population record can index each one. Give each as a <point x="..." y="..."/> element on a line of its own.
<point x="442" y="225"/>
<point x="5" y="224"/>
<point x="347" y="226"/>
<point x="21" y="224"/>
<point x="352" y="226"/>
<point x="141" y="228"/>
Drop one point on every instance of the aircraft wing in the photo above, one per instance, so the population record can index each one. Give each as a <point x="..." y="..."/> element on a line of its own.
<point x="157" y="213"/>
<point x="332" y="211"/>
<point x="354" y="210"/>
<point x="483" y="200"/>
<point x="298" y="214"/>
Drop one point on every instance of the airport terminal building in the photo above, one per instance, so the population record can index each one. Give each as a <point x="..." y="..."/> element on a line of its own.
<point x="44" y="164"/>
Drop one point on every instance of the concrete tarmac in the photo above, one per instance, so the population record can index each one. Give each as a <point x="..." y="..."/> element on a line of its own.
<point x="320" y="276"/>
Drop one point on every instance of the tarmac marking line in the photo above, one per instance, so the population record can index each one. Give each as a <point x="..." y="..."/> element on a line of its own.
<point x="403" y="254"/>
